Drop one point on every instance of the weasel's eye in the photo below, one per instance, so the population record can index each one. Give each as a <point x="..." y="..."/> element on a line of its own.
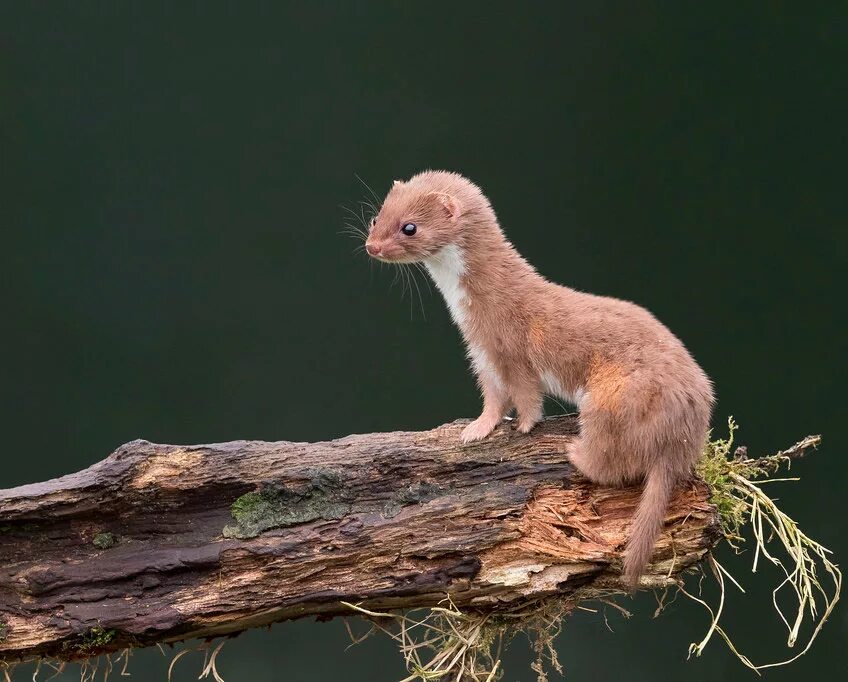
<point x="373" y="222"/>
<point x="409" y="229"/>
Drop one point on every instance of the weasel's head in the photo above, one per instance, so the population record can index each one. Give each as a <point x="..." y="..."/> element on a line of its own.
<point x="418" y="218"/>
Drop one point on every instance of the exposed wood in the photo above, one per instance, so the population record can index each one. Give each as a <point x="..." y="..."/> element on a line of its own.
<point x="143" y="547"/>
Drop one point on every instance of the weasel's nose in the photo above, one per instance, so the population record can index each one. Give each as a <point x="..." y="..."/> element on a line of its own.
<point x="372" y="249"/>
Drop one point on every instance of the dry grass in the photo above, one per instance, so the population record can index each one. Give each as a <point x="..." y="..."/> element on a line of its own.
<point x="446" y="644"/>
<point x="810" y="577"/>
<point x="103" y="666"/>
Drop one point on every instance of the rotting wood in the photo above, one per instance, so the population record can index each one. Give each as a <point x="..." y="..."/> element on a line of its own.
<point x="159" y="543"/>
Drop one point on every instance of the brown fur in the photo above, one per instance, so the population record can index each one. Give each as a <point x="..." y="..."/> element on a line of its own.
<point x="644" y="402"/>
<point x="607" y="381"/>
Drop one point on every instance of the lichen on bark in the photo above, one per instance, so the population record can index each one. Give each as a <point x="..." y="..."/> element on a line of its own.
<point x="275" y="505"/>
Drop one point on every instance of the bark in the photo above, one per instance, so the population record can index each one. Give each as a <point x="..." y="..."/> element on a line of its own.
<point x="159" y="543"/>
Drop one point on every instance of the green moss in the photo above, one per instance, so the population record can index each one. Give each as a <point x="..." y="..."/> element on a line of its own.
<point x="250" y="503"/>
<point x="4" y="630"/>
<point x="326" y="496"/>
<point x="721" y="468"/>
<point x="105" y="540"/>
<point x="91" y="643"/>
<point x="714" y="468"/>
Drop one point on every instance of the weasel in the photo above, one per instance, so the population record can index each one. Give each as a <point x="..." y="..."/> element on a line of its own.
<point x="644" y="403"/>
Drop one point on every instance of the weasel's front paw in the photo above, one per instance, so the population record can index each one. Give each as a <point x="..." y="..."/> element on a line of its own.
<point x="526" y="426"/>
<point x="477" y="430"/>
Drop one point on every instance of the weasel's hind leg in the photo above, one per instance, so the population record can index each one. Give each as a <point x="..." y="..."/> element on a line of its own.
<point x="597" y="452"/>
<point x="626" y="445"/>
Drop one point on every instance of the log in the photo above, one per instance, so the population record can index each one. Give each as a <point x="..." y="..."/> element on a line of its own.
<point x="161" y="543"/>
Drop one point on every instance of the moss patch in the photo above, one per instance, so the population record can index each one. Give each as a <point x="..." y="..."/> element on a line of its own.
<point x="4" y="630"/>
<point x="277" y="506"/>
<point x="105" y="540"/>
<point x="722" y="468"/>
<point x="91" y="643"/>
<point x="714" y="468"/>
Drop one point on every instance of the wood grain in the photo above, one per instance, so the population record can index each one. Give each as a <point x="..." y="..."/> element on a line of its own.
<point x="145" y="547"/>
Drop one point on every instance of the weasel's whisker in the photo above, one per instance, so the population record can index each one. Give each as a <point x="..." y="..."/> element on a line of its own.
<point x="409" y="284"/>
<point x="426" y="275"/>
<point x="369" y="205"/>
<point x="358" y="216"/>
<point x="412" y="285"/>
<point x="353" y="231"/>
<point x="368" y="187"/>
<point x="558" y="402"/>
<point x="362" y="217"/>
<point x="418" y="290"/>
<point x="402" y="271"/>
<point x="397" y="275"/>
<point x="358" y="228"/>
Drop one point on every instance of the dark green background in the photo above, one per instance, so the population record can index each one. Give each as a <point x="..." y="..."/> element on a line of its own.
<point x="172" y="266"/>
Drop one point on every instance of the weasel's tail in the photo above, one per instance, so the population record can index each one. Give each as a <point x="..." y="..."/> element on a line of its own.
<point x="659" y="484"/>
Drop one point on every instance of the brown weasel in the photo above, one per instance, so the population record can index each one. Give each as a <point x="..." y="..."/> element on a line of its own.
<point x="644" y="402"/>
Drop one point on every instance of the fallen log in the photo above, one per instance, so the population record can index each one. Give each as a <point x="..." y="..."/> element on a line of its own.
<point x="161" y="543"/>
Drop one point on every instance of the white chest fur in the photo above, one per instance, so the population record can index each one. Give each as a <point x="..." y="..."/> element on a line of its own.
<point x="447" y="268"/>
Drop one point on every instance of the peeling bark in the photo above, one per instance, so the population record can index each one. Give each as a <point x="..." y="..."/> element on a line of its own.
<point x="159" y="543"/>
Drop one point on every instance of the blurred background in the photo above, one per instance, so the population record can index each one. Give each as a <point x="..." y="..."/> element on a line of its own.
<point x="171" y="191"/>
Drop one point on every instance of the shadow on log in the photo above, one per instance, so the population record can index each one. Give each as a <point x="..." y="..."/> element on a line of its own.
<point x="159" y="543"/>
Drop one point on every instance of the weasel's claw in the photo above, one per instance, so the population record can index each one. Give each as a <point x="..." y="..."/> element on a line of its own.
<point x="476" y="430"/>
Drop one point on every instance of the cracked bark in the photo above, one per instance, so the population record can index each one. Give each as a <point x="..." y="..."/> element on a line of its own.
<point x="148" y="546"/>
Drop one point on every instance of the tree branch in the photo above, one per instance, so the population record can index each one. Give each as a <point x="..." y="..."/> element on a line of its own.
<point x="159" y="543"/>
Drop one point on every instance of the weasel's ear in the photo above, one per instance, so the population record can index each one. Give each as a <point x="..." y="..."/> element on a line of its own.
<point x="450" y="204"/>
<point x="397" y="183"/>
